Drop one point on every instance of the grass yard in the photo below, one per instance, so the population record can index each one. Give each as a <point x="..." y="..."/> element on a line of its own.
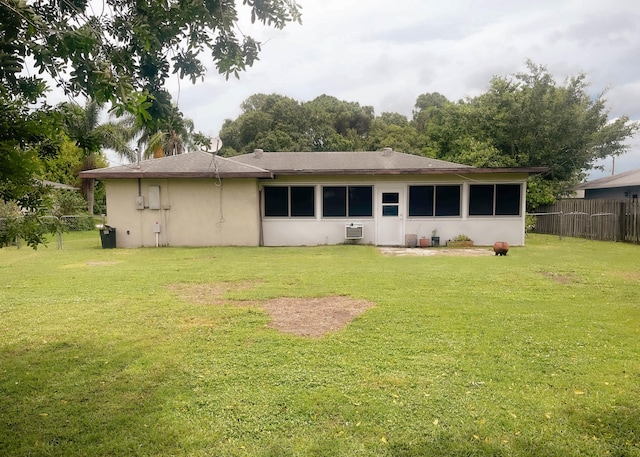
<point x="171" y="351"/>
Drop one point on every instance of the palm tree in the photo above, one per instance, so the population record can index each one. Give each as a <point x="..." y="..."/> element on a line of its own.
<point x="83" y="127"/>
<point x="166" y="137"/>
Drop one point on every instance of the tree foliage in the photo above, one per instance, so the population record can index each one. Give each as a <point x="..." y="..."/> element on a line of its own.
<point x="522" y="120"/>
<point x="530" y="120"/>
<point x="82" y="125"/>
<point x="121" y="51"/>
<point x="129" y="45"/>
<point x="275" y="122"/>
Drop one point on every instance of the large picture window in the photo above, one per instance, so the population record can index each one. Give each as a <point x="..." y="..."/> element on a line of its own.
<point x="284" y="201"/>
<point x="343" y="201"/>
<point x="440" y="201"/>
<point x="494" y="199"/>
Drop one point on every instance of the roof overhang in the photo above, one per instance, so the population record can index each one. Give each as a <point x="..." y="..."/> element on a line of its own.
<point x="412" y="171"/>
<point x="97" y="174"/>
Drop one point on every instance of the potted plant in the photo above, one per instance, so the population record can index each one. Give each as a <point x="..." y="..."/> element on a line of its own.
<point x="435" y="239"/>
<point x="460" y="241"/>
<point x="424" y="242"/>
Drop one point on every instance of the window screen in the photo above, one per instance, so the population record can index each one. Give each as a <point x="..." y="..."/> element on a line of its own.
<point x="494" y="199"/>
<point x="447" y="200"/>
<point x="421" y="200"/>
<point x="481" y="200"/>
<point x="334" y="201"/>
<point x="354" y="201"/>
<point x="361" y="201"/>
<point x="276" y="201"/>
<point x="284" y="201"/>
<point x="302" y="202"/>
<point x="508" y="199"/>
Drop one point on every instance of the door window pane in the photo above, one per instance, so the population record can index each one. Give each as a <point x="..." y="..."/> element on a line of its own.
<point x="390" y="197"/>
<point x="390" y="210"/>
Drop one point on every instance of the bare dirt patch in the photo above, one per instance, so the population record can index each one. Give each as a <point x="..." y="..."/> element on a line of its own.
<point x="461" y="252"/>
<point x="210" y="294"/>
<point x="312" y="317"/>
<point x="562" y="278"/>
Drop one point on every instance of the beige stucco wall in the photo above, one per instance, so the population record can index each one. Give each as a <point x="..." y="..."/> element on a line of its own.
<point x="193" y="212"/>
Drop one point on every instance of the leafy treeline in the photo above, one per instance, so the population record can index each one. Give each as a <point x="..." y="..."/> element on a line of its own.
<point x="522" y="120"/>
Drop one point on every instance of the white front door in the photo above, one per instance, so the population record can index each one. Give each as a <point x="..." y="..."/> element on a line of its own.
<point x="390" y="217"/>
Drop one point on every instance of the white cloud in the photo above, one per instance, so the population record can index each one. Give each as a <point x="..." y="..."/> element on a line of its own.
<point x="385" y="54"/>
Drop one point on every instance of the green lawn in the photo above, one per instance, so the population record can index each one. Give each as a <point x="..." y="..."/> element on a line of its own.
<point x="535" y="353"/>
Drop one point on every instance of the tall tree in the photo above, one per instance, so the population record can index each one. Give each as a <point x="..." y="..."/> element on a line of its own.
<point x="83" y="126"/>
<point x="26" y="137"/>
<point x="161" y="134"/>
<point x="426" y="105"/>
<point x="275" y="122"/>
<point x="272" y="122"/>
<point x="132" y="45"/>
<point x="395" y="131"/>
<point x="122" y="52"/>
<point x="528" y="119"/>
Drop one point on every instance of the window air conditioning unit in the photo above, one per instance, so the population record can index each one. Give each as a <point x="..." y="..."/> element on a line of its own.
<point x="354" y="231"/>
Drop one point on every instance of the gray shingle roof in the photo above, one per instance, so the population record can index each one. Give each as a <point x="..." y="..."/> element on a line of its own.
<point x="268" y="164"/>
<point x="192" y="165"/>
<point x="628" y="178"/>
<point x="378" y="162"/>
<point x="371" y="163"/>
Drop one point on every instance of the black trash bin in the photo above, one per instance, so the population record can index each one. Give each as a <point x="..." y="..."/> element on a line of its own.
<point x="108" y="237"/>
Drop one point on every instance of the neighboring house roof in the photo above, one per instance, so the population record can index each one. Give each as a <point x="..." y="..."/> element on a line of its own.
<point x="378" y="163"/>
<point x="57" y="185"/>
<point x="192" y="165"/>
<point x="269" y="164"/>
<point x="626" y="179"/>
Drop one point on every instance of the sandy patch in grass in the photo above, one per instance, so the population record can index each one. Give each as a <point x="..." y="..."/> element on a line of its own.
<point x="628" y="275"/>
<point x="209" y="294"/>
<point x="97" y="263"/>
<point x="562" y="278"/>
<point x="460" y="252"/>
<point x="313" y="317"/>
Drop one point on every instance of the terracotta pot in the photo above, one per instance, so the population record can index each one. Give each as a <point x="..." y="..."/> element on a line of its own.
<point x="501" y="247"/>
<point x="424" y="242"/>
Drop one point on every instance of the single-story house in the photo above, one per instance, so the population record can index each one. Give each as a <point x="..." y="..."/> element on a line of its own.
<point x="622" y="186"/>
<point x="311" y="198"/>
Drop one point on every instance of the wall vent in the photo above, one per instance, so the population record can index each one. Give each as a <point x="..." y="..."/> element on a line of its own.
<point x="353" y="231"/>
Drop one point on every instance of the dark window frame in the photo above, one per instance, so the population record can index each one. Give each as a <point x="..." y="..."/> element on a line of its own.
<point x="430" y="200"/>
<point x="294" y="205"/>
<point x="495" y="200"/>
<point x="347" y="201"/>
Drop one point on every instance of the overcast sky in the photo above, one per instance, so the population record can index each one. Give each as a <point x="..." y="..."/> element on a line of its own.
<point x="386" y="53"/>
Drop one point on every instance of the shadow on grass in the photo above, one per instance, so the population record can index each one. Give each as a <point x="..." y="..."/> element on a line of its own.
<point x="77" y="398"/>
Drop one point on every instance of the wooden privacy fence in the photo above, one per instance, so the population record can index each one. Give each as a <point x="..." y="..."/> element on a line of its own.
<point x="599" y="219"/>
